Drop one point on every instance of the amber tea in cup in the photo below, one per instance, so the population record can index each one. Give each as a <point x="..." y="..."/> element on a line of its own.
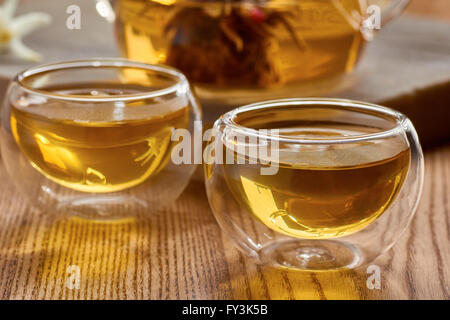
<point x="329" y="194"/>
<point x="100" y="154"/>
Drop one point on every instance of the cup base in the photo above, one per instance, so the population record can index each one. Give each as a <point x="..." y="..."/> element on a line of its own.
<point x="311" y="255"/>
<point x="102" y="208"/>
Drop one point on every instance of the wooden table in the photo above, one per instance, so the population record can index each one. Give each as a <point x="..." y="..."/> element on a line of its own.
<point x="180" y="252"/>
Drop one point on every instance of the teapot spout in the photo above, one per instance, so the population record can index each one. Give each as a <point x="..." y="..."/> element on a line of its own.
<point x="394" y="10"/>
<point x="371" y="16"/>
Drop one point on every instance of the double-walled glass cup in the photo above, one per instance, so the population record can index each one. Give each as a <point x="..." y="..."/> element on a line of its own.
<point x="94" y="138"/>
<point x="313" y="184"/>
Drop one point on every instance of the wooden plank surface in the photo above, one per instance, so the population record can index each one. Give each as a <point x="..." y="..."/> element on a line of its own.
<point x="407" y="67"/>
<point x="180" y="253"/>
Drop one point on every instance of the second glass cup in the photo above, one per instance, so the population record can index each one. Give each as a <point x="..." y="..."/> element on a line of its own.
<point x="94" y="138"/>
<point x="314" y="184"/>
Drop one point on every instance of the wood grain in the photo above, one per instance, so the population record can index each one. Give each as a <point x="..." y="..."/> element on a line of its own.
<point x="436" y="9"/>
<point x="179" y="253"/>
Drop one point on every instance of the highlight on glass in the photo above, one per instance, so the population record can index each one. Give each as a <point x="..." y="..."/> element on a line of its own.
<point x="348" y="182"/>
<point x="93" y="137"/>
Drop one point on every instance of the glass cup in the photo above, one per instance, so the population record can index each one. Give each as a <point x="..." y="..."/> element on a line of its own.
<point x="93" y="138"/>
<point x="313" y="184"/>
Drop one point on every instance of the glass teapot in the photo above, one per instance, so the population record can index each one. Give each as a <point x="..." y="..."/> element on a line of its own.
<point x="238" y="51"/>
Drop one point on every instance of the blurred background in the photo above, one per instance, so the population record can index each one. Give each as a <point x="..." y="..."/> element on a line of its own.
<point x="302" y="48"/>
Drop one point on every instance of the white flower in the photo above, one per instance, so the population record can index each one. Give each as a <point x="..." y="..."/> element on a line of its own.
<point x="12" y="30"/>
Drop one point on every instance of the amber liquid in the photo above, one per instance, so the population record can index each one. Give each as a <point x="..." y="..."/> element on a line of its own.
<point x="319" y="195"/>
<point x="107" y="151"/>
<point x="212" y="41"/>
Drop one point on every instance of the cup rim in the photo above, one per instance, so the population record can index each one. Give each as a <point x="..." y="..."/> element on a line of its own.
<point x="401" y="121"/>
<point x="181" y="82"/>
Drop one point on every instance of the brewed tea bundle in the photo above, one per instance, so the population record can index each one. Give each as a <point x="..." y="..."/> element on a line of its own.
<point x="229" y="45"/>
